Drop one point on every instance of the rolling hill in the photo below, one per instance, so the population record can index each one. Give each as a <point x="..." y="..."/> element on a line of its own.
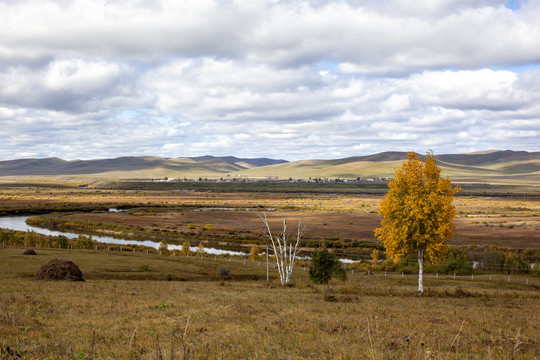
<point x="492" y="167"/>
<point x="485" y="167"/>
<point x="138" y="166"/>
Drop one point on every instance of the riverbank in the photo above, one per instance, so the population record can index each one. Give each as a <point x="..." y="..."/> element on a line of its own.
<point x="19" y="223"/>
<point x="343" y="223"/>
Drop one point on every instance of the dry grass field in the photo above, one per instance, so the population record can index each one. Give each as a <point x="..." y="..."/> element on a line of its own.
<point x="146" y="306"/>
<point x="116" y="314"/>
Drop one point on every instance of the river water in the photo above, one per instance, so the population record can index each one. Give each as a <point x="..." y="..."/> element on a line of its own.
<point x="19" y="223"/>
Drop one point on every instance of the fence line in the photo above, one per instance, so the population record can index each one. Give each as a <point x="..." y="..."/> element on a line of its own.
<point x="514" y="278"/>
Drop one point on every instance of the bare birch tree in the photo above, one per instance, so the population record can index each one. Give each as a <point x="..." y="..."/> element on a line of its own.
<point x="285" y="247"/>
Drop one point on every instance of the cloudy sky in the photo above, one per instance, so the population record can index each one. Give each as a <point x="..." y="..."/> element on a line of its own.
<point x="282" y="79"/>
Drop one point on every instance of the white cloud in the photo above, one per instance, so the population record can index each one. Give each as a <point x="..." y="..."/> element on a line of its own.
<point x="80" y="77"/>
<point x="267" y="78"/>
<point x="397" y="103"/>
<point x="71" y="85"/>
<point x="383" y="36"/>
<point x="473" y="89"/>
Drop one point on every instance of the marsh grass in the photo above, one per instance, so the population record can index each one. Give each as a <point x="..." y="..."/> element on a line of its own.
<point x="368" y="317"/>
<point x="344" y="221"/>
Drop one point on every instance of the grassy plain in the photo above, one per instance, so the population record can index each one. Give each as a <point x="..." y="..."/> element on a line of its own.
<point x="501" y="221"/>
<point x="139" y="306"/>
<point x="114" y="315"/>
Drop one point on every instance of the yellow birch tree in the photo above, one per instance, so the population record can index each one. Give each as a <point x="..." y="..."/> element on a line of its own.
<point x="375" y="257"/>
<point x="200" y="250"/>
<point x="417" y="213"/>
<point x="185" y="248"/>
<point x="163" y="247"/>
<point x="254" y="253"/>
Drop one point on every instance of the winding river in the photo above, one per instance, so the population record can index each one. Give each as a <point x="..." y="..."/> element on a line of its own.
<point x="19" y="223"/>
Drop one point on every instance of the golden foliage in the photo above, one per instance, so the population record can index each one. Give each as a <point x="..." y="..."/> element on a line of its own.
<point x="200" y="250"/>
<point x="254" y="253"/>
<point x="163" y="247"/>
<point x="375" y="257"/>
<point x="185" y="248"/>
<point x="417" y="210"/>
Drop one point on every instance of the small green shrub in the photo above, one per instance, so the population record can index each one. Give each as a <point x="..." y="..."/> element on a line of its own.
<point x="325" y="265"/>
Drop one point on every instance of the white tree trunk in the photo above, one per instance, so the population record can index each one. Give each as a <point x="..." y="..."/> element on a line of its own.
<point x="420" y="271"/>
<point x="285" y="250"/>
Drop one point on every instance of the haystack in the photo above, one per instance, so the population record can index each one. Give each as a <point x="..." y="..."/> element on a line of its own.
<point x="59" y="269"/>
<point x="29" y="252"/>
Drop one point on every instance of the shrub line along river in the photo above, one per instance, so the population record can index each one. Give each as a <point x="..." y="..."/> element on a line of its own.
<point x="19" y="223"/>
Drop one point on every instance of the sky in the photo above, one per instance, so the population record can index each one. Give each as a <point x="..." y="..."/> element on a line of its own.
<point x="87" y="79"/>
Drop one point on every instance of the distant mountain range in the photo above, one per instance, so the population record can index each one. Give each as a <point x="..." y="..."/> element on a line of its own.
<point x="488" y="166"/>
<point x="131" y="164"/>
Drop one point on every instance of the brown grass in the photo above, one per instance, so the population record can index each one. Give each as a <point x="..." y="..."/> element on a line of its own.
<point x="139" y="306"/>
<point x="369" y="317"/>
<point x="500" y="222"/>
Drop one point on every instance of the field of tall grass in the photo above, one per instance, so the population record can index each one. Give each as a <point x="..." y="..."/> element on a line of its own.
<point x="138" y="306"/>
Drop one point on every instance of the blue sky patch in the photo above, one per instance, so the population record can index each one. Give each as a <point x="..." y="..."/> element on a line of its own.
<point x="513" y="4"/>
